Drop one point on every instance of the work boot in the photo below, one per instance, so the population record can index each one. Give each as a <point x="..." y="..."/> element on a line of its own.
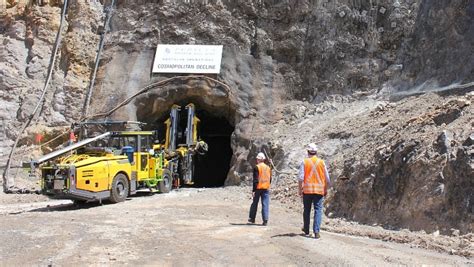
<point x="251" y="220"/>
<point x="265" y="223"/>
<point x="306" y="233"/>
<point x="317" y="235"/>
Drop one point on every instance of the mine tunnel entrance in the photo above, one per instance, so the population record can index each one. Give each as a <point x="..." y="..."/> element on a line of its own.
<point x="211" y="169"/>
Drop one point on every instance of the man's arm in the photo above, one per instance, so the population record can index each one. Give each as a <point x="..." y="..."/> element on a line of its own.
<point x="270" y="164"/>
<point x="255" y="178"/>
<point x="301" y="179"/>
<point x="328" y="179"/>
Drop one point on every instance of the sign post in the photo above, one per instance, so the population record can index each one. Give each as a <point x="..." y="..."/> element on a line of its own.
<point x="187" y="59"/>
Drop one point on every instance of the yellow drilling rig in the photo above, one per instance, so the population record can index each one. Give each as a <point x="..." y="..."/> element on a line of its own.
<point x="115" y="164"/>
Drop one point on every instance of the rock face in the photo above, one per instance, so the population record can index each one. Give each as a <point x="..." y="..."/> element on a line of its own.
<point x="286" y="64"/>
<point x="415" y="178"/>
<point x="404" y="164"/>
<point x="28" y="34"/>
<point x="436" y="52"/>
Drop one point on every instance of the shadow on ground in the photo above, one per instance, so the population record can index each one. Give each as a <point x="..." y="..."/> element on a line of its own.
<point x="83" y="205"/>
<point x="245" y="224"/>
<point x="67" y="207"/>
<point x="288" y="235"/>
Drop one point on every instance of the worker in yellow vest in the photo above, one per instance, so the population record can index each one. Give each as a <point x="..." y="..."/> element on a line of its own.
<point x="313" y="182"/>
<point x="262" y="177"/>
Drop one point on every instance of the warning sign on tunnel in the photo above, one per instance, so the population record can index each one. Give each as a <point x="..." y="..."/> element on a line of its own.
<point x="187" y="59"/>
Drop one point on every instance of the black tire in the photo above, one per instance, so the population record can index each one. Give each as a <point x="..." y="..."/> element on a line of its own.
<point x="120" y="188"/>
<point x="166" y="184"/>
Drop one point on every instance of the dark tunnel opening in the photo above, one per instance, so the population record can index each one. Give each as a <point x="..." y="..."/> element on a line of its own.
<point x="211" y="169"/>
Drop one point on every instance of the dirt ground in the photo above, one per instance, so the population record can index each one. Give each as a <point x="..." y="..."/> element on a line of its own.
<point x="186" y="227"/>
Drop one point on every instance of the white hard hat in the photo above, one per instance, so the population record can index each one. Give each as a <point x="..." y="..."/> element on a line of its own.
<point x="312" y="148"/>
<point x="261" y="156"/>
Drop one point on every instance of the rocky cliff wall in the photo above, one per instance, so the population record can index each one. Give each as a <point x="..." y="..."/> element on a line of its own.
<point x="437" y="53"/>
<point x="275" y="52"/>
<point x="272" y="49"/>
<point x="27" y="33"/>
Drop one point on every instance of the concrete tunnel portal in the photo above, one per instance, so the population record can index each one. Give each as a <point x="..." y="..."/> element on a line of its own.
<point x="215" y="112"/>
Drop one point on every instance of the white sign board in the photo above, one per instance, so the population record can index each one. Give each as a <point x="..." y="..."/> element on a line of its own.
<point x="187" y="59"/>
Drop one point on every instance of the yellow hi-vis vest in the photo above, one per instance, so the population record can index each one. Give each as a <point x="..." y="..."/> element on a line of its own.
<point x="314" y="176"/>
<point x="264" y="174"/>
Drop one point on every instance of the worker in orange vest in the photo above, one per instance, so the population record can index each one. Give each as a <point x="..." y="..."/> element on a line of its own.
<point x="313" y="182"/>
<point x="262" y="177"/>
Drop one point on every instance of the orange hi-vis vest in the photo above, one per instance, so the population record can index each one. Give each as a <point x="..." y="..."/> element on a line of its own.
<point x="264" y="174"/>
<point x="314" y="176"/>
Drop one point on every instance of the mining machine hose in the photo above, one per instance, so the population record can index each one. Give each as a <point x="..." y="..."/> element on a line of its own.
<point x="275" y="168"/>
<point x="108" y="16"/>
<point x="158" y="85"/>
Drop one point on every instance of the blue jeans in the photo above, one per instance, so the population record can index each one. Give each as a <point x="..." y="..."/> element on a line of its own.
<point x="317" y="201"/>
<point x="265" y="196"/>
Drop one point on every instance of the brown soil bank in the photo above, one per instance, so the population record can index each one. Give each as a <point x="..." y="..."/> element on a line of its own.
<point x="406" y="164"/>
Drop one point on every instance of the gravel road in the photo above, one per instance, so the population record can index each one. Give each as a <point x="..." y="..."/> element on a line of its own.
<point x="182" y="228"/>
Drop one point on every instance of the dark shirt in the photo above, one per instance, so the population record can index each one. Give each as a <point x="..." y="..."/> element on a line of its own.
<point x="255" y="179"/>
